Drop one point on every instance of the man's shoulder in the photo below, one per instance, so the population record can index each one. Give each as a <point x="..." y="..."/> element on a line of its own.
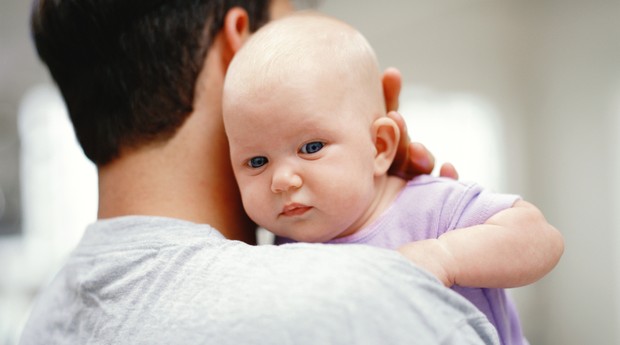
<point x="319" y="267"/>
<point x="187" y="290"/>
<point x="343" y="294"/>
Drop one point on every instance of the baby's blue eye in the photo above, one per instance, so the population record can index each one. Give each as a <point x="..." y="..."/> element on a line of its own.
<point x="312" y="147"/>
<point x="257" y="162"/>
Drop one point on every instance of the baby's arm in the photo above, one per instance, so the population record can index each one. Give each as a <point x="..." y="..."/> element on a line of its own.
<point x="515" y="247"/>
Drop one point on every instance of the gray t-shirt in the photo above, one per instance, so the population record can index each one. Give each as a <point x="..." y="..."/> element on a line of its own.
<point x="150" y="280"/>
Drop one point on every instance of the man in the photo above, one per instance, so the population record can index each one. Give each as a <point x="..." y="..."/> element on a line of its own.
<point x="142" y="81"/>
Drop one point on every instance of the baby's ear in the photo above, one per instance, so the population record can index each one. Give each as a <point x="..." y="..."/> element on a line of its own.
<point x="386" y="136"/>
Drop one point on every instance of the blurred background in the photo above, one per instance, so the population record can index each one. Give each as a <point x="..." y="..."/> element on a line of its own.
<point x="522" y="96"/>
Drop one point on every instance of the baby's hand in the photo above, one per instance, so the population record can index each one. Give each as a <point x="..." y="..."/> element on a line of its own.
<point x="432" y="256"/>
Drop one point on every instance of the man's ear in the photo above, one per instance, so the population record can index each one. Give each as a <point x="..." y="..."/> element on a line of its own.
<point x="236" y="31"/>
<point x="386" y="136"/>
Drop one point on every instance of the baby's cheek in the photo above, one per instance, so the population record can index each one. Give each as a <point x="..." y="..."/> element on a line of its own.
<point x="250" y="201"/>
<point x="355" y="192"/>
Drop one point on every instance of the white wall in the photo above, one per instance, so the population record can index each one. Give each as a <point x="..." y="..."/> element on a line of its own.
<point x="59" y="197"/>
<point x="572" y="118"/>
<point x="551" y="69"/>
<point x="614" y="130"/>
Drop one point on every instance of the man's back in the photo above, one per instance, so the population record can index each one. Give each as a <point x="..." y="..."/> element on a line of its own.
<point x="146" y="280"/>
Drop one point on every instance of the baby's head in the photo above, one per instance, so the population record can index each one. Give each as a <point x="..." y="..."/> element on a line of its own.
<point x="305" y="117"/>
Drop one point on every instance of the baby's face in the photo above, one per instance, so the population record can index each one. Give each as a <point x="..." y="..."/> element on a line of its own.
<point x="304" y="163"/>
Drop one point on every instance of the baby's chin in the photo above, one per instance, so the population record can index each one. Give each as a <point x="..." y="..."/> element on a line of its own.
<point x="307" y="236"/>
<point x="309" y="227"/>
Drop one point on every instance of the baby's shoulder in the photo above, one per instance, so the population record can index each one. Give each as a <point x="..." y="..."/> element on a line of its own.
<point x="432" y="189"/>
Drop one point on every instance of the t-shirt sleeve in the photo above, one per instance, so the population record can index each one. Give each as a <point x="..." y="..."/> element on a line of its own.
<point x="472" y="205"/>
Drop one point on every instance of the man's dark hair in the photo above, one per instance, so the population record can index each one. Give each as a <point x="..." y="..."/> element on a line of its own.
<point x="127" y="68"/>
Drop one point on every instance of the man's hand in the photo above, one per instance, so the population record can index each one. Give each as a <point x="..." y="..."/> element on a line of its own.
<point x="412" y="159"/>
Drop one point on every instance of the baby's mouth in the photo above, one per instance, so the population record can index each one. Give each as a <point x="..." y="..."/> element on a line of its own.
<point x="294" y="209"/>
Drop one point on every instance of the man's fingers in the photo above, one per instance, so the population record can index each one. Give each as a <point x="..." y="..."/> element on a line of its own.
<point x="392" y="82"/>
<point x="422" y="160"/>
<point x="448" y="170"/>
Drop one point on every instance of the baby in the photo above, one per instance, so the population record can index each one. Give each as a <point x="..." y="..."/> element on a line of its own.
<point x="310" y="146"/>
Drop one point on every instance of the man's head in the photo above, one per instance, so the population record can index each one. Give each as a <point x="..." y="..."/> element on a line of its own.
<point x="127" y="69"/>
<point x="305" y="116"/>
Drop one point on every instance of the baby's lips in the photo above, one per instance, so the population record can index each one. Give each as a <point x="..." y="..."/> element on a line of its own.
<point x="294" y="209"/>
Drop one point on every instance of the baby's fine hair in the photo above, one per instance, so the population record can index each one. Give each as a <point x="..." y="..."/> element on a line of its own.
<point x="305" y="42"/>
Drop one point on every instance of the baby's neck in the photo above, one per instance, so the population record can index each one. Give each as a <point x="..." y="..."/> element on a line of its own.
<point x="387" y="189"/>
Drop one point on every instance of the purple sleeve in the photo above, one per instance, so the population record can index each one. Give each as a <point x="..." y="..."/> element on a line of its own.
<point x="475" y="206"/>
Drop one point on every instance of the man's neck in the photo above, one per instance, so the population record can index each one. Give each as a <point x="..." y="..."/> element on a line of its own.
<point x="188" y="177"/>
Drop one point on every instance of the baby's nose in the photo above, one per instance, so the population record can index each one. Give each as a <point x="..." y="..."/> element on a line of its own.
<point x="284" y="179"/>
